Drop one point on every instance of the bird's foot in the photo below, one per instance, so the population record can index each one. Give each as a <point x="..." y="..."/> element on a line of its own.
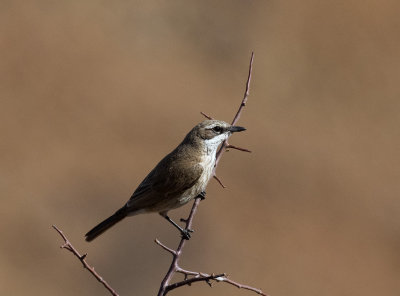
<point x="186" y="233"/>
<point x="202" y="195"/>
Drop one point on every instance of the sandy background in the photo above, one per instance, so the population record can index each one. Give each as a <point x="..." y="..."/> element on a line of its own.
<point x="94" y="93"/>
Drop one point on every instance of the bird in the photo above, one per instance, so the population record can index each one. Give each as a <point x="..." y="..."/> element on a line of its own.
<point x="178" y="178"/>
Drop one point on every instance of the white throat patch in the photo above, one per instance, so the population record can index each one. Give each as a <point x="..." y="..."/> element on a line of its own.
<point x="212" y="144"/>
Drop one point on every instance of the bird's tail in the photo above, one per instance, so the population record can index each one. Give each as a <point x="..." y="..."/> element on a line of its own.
<point x="106" y="224"/>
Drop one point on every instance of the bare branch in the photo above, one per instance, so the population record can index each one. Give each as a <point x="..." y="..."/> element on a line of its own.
<point x="240" y="286"/>
<point x="239" y="112"/>
<point x="222" y="278"/>
<point x="174" y="267"/>
<point x="173" y="252"/>
<point x="246" y="92"/>
<point x="193" y="280"/>
<point x="189" y="272"/>
<point x="68" y="246"/>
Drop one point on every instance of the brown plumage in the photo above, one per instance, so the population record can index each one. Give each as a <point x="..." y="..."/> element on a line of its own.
<point x="178" y="178"/>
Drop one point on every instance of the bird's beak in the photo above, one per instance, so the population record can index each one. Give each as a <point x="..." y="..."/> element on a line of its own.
<point x="234" y="129"/>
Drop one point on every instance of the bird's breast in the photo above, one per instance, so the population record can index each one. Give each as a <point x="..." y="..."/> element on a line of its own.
<point x="208" y="162"/>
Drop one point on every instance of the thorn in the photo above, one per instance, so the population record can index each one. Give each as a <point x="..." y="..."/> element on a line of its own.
<point x="206" y="116"/>
<point x="237" y="148"/>
<point x="219" y="181"/>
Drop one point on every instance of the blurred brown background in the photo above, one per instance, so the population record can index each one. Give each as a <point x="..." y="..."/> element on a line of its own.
<point x="94" y="94"/>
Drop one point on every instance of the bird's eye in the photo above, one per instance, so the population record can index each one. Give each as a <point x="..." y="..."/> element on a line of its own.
<point x="217" y="129"/>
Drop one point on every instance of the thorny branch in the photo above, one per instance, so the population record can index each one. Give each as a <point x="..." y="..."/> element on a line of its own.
<point x="222" y="278"/>
<point x="225" y="145"/>
<point x="174" y="267"/>
<point x="176" y="254"/>
<point x="194" y="279"/>
<point x="238" y="113"/>
<point x="68" y="246"/>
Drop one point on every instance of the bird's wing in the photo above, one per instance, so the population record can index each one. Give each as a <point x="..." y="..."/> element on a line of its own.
<point x="145" y="186"/>
<point x="178" y="179"/>
<point x="163" y="182"/>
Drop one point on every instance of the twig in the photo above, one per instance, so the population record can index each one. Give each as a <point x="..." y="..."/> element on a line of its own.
<point x="222" y="278"/>
<point x="173" y="252"/>
<point x="246" y="92"/>
<point x="241" y="286"/>
<point x="68" y="246"/>
<point x="237" y="148"/>
<point x="176" y="254"/>
<point x="189" y="272"/>
<point x="192" y="280"/>
<point x="238" y="113"/>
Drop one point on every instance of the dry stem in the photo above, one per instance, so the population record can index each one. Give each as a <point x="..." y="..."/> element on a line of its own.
<point x="222" y="278"/>
<point x="68" y="246"/>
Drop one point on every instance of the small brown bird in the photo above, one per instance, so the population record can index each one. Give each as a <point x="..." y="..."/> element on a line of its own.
<point x="178" y="178"/>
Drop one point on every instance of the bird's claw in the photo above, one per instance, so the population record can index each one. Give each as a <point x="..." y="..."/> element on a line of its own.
<point x="186" y="233"/>
<point x="202" y="195"/>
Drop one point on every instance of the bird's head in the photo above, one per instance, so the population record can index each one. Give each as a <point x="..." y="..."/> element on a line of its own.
<point x="214" y="132"/>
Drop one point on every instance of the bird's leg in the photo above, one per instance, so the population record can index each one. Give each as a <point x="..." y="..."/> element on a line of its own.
<point x="184" y="232"/>
<point x="202" y="195"/>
